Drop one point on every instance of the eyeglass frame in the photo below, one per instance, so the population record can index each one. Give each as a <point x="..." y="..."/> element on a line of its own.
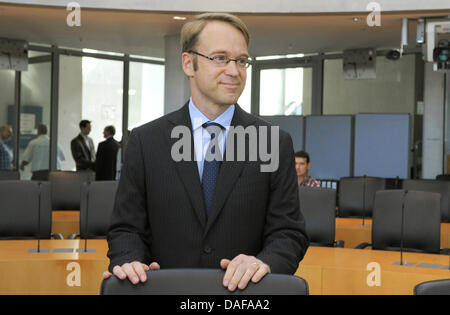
<point x="227" y="61"/>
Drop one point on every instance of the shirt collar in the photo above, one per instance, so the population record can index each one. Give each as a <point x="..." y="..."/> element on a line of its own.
<point x="198" y="118"/>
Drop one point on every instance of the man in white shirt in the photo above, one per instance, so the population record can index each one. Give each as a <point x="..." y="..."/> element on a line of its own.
<point x="38" y="154"/>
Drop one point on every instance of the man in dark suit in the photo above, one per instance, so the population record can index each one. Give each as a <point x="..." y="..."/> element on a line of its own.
<point x="83" y="150"/>
<point x="106" y="159"/>
<point x="198" y="212"/>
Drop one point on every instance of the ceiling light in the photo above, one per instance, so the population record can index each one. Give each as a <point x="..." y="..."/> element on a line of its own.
<point x="356" y="19"/>
<point x="179" y="18"/>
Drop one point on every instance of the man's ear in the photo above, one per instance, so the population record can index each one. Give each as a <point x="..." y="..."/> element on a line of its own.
<point x="187" y="62"/>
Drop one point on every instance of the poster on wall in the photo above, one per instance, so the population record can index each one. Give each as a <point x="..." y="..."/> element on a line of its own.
<point x="30" y="117"/>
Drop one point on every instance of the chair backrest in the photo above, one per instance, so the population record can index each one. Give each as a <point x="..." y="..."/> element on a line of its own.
<point x="97" y="203"/>
<point x="357" y="194"/>
<point x="66" y="188"/>
<point x="20" y="204"/>
<point x="443" y="177"/>
<point x="318" y="206"/>
<point x="435" y="287"/>
<point x="9" y="175"/>
<point x="440" y="187"/>
<point x="202" y="282"/>
<point x="421" y="227"/>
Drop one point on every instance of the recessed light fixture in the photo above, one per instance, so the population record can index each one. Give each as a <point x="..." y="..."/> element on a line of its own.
<point x="179" y="18"/>
<point x="356" y="19"/>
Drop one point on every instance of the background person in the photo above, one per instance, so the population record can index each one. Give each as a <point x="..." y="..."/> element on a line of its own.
<point x="6" y="155"/>
<point x="302" y="166"/>
<point x="82" y="147"/>
<point x="106" y="159"/>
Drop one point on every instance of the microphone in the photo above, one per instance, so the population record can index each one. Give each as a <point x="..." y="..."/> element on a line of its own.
<point x="86" y="249"/>
<point x="38" y="249"/>
<point x="364" y="201"/>
<point x="402" y="232"/>
<point x="402" y="227"/>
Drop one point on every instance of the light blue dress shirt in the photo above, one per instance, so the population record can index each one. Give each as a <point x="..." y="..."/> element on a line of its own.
<point x="202" y="137"/>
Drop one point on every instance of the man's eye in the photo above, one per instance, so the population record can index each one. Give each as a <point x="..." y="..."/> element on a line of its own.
<point x="220" y="58"/>
<point x="242" y="61"/>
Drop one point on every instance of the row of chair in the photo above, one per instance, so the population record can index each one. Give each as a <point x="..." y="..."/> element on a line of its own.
<point x="65" y="187"/>
<point x="408" y="219"/>
<point x="356" y="195"/>
<point x="26" y="210"/>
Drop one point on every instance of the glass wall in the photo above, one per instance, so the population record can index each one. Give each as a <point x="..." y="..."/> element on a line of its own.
<point x="146" y="93"/>
<point x="7" y="79"/>
<point x="245" y="99"/>
<point x="285" y="91"/>
<point x="90" y="88"/>
<point x="35" y="111"/>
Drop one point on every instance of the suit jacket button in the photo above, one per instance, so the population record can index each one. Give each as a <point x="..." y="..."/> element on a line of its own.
<point x="207" y="250"/>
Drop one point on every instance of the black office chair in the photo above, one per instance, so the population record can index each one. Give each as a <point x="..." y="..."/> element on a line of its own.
<point x="421" y="221"/>
<point x="351" y="192"/>
<point x="66" y="188"/>
<point x="25" y="210"/>
<point x="318" y="206"/>
<point x="202" y="282"/>
<point x="443" y="177"/>
<point x="97" y="203"/>
<point x="9" y="175"/>
<point x="440" y="187"/>
<point x="435" y="287"/>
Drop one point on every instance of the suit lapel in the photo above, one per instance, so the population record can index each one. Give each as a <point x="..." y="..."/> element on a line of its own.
<point x="188" y="170"/>
<point x="228" y="174"/>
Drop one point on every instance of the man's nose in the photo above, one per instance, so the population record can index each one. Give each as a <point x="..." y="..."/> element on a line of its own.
<point x="232" y="68"/>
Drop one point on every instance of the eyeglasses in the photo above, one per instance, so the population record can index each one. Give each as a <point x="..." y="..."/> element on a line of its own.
<point x="223" y="60"/>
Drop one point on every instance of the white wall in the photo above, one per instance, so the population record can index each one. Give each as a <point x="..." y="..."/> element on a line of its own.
<point x="391" y="92"/>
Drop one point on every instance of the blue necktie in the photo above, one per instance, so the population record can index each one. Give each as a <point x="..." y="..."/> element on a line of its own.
<point x="210" y="168"/>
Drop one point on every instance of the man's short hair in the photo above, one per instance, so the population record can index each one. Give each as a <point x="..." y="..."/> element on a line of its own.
<point x="42" y="129"/>
<point x="84" y="123"/>
<point x="192" y="29"/>
<point x="111" y="130"/>
<point x="302" y="154"/>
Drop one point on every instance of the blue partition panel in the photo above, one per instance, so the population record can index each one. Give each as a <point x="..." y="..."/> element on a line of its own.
<point x="329" y="144"/>
<point x="382" y="145"/>
<point x="291" y="124"/>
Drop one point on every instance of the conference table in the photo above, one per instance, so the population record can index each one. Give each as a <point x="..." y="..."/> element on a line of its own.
<point x="340" y="271"/>
<point x="57" y="269"/>
<point x="353" y="232"/>
<point x="63" y="270"/>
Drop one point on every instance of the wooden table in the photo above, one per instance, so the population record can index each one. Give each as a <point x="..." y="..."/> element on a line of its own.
<point x="22" y="272"/>
<point x="344" y="271"/>
<point x="352" y="232"/>
<point x="66" y="222"/>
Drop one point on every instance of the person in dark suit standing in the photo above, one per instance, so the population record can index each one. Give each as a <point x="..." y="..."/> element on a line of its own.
<point x="83" y="150"/>
<point x="200" y="212"/>
<point x="106" y="159"/>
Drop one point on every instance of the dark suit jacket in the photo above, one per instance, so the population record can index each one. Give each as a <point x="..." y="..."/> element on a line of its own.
<point x="81" y="154"/>
<point x="106" y="160"/>
<point x="159" y="212"/>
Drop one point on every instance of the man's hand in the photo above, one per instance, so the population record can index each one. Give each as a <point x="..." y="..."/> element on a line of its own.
<point x="241" y="269"/>
<point x="134" y="271"/>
